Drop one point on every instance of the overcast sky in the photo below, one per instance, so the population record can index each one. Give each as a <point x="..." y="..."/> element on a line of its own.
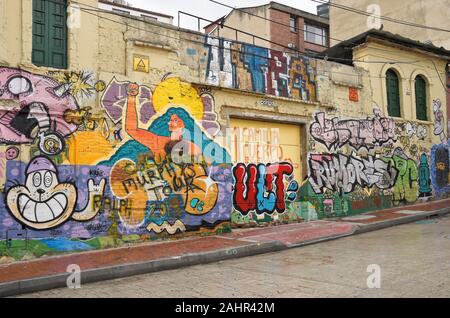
<point x="210" y="10"/>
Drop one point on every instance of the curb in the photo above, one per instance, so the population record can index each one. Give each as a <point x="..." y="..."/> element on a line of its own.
<point x="125" y="270"/>
<point x="402" y="220"/>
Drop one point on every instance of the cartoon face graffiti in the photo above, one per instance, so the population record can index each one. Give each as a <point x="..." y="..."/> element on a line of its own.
<point x="43" y="202"/>
<point x="12" y="153"/>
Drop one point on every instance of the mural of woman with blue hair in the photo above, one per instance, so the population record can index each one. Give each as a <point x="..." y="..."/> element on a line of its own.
<point x="173" y="133"/>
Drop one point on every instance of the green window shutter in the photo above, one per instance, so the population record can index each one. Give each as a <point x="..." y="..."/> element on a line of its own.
<point x="50" y="33"/>
<point x="40" y="24"/>
<point x="421" y="98"/>
<point x="393" y="94"/>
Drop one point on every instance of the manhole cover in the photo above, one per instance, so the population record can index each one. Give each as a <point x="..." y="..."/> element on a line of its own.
<point x="409" y="212"/>
<point x="358" y="217"/>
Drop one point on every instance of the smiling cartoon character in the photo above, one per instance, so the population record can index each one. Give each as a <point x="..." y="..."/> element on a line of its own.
<point x="44" y="203"/>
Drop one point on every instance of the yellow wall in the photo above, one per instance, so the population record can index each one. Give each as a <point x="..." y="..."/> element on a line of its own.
<point x="377" y="59"/>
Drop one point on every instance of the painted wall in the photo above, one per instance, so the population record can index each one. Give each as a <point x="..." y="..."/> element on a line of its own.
<point x="103" y="154"/>
<point x="258" y="69"/>
<point x="377" y="54"/>
<point x="266" y="156"/>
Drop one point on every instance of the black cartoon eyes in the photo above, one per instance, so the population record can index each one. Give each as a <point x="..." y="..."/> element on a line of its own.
<point x="37" y="179"/>
<point x="48" y="179"/>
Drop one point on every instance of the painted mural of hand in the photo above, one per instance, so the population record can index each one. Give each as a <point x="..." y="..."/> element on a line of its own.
<point x="96" y="189"/>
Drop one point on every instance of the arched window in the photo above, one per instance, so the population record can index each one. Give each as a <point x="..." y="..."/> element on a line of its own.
<point x="393" y="93"/>
<point x="421" y="98"/>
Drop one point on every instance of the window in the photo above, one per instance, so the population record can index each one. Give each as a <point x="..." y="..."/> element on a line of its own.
<point x="49" y="33"/>
<point x="393" y="93"/>
<point x="293" y="23"/>
<point x="316" y="35"/>
<point x="421" y="98"/>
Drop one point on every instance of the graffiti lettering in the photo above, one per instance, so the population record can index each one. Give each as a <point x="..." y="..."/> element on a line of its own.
<point x="341" y="173"/>
<point x="261" y="187"/>
<point x="358" y="133"/>
<point x="250" y="67"/>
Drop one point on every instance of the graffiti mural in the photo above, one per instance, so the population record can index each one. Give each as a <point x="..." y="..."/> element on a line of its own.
<point x="149" y="168"/>
<point x="440" y="168"/>
<point x="406" y="187"/>
<point x="439" y="122"/>
<point x="414" y="129"/>
<point x="38" y="111"/>
<point x="341" y="173"/>
<point x="44" y="202"/>
<point x="262" y="187"/>
<point x="358" y="133"/>
<point x="249" y="67"/>
<point x="424" y="177"/>
<point x="172" y="171"/>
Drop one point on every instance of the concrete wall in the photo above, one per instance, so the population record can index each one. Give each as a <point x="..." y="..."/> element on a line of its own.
<point x="423" y="12"/>
<point x="108" y="153"/>
<point x="247" y="23"/>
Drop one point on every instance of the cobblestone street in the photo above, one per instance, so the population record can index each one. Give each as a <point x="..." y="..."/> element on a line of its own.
<point x="414" y="260"/>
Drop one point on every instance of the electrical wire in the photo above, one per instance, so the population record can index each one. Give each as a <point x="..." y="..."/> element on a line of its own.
<point x="88" y="11"/>
<point x="286" y="25"/>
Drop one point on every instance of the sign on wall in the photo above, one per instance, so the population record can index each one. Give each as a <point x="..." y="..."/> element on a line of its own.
<point x="141" y="63"/>
<point x="353" y="94"/>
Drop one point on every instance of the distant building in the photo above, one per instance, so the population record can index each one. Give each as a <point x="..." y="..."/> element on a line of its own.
<point x="421" y="12"/>
<point x="285" y="26"/>
<point x="120" y="6"/>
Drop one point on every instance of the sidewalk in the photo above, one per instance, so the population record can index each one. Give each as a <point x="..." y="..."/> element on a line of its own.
<point x="47" y="273"/>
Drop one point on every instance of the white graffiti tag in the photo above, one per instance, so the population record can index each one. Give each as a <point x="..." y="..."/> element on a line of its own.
<point x="338" y="172"/>
<point x="358" y="133"/>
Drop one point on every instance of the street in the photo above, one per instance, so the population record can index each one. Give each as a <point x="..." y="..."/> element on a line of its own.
<point x="414" y="260"/>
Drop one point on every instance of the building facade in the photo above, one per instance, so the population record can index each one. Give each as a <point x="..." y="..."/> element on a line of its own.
<point x="284" y="26"/>
<point x="419" y="12"/>
<point x="124" y="130"/>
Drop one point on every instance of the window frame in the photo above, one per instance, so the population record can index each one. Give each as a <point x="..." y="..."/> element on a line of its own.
<point x="49" y="23"/>
<point x="314" y="33"/>
<point x="425" y="97"/>
<point x="398" y="77"/>
<point x="294" y="28"/>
